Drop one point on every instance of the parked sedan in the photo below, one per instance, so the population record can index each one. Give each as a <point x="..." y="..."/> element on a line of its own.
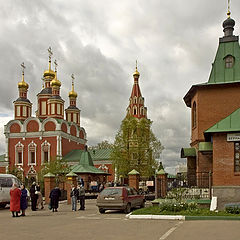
<point x="119" y="198"/>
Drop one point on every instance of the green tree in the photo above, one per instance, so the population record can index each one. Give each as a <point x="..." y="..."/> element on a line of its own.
<point x="136" y="147"/>
<point x="102" y="145"/>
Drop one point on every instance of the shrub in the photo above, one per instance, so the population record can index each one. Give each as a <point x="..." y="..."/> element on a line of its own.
<point x="232" y="208"/>
<point x="174" y="206"/>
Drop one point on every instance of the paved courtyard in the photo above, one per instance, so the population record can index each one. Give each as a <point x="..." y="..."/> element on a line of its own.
<point x="112" y="225"/>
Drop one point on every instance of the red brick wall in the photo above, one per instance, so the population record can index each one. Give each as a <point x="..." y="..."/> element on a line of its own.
<point x="32" y="126"/>
<point x="64" y="127"/>
<point x="15" y="128"/>
<point x="223" y="162"/>
<point x="26" y="142"/>
<point x="213" y="104"/>
<point x="73" y="130"/>
<point x="69" y="146"/>
<point x="110" y="170"/>
<point x="50" y="126"/>
<point x="2" y="170"/>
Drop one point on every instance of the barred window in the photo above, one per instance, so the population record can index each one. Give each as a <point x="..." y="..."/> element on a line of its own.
<point x="236" y="157"/>
<point x="229" y="61"/>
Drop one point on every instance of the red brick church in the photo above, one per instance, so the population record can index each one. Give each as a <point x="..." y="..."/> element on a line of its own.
<point x="55" y="131"/>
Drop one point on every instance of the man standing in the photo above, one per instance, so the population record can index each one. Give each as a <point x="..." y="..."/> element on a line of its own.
<point x="74" y="196"/>
<point x="34" y="196"/>
<point x="82" y="197"/>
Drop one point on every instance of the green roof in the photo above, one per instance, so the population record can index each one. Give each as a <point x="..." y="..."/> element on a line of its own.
<point x="229" y="124"/>
<point x="160" y="172"/>
<point x="71" y="174"/>
<point x="49" y="175"/>
<point x="205" y="146"/>
<point x="134" y="172"/>
<point x="171" y="176"/>
<point x="96" y="155"/>
<point x="100" y="154"/>
<point x="188" y="152"/>
<point x="2" y="158"/>
<point x="221" y="74"/>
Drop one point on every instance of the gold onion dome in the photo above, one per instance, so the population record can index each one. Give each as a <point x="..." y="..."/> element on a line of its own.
<point x="49" y="73"/>
<point x="55" y="83"/>
<point x="23" y="84"/>
<point x="136" y="73"/>
<point x="72" y="94"/>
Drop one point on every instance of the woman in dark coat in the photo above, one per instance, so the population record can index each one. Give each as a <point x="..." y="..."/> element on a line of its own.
<point x="15" y="195"/>
<point x="54" y="196"/>
<point x="23" y="200"/>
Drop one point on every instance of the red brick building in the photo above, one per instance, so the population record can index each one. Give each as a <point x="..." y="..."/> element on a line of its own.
<point x="215" y="118"/>
<point x="33" y="141"/>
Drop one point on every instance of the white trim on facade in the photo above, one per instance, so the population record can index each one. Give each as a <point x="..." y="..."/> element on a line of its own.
<point x="32" y="145"/>
<point x="18" y="145"/>
<point x="45" y="143"/>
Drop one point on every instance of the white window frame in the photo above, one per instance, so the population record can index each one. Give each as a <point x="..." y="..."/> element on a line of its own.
<point x="19" y="144"/>
<point x="29" y="154"/>
<point x="42" y="152"/>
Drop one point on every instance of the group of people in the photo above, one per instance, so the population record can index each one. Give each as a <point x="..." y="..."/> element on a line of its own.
<point x="78" y="193"/>
<point x="18" y="200"/>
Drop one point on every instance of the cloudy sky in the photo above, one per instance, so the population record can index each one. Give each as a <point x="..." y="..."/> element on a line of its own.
<point x="174" y="42"/>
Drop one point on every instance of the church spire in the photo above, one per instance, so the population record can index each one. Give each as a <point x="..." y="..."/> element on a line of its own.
<point x="136" y="101"/>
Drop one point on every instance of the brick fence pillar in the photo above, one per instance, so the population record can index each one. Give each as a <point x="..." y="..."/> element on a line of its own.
<point x="71" y="180"/>
<point x="49" y="184"/>
<point x="134" y="179"/>
<point x="161" y="183"/>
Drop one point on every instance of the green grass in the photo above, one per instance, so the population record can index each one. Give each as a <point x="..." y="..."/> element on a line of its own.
<point x="155" y="210"/>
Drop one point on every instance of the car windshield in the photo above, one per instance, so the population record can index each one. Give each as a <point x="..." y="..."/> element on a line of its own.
<point x="6" y="182"/>
<point x="111" y="191"/>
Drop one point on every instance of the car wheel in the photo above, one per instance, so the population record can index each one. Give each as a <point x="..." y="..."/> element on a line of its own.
<point x="101" y="210"/>
<point x="3" y="205"/>
<point x="128" y="208"/>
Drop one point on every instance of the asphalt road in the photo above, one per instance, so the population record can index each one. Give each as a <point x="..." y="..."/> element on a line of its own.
<point x="89" y="224"/>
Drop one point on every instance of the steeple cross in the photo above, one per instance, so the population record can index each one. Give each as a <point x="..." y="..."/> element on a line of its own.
<point x="55" y="63"/>
<point x="50" y="53"/>
<point x="136" y="64"/>
<point x="23" y="67"/>
<point x="229" y="13"/>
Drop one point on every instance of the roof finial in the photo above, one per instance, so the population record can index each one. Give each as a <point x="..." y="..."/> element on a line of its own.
<point x="228" y="13"/>
<point x="136" y="64"/>
<point x="23" y="67"/>
<point x="55" y="63"/>
<point x="73" y="78"/>
<point x="50" y="56"/>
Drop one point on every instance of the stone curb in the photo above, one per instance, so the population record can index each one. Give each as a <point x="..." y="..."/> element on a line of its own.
<point x="156" y="217"/>
<point x="180" y="217"/>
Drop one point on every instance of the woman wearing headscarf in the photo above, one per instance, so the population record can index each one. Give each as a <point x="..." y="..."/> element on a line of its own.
<point x="23" y="200"/>
<point x="15" y="195"/>
<point x="55" y="194"/>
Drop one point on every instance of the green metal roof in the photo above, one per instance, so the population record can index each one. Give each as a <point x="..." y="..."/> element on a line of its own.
<point x="2" y="158"/>
<point x="205" y="146"/>
<point x="86" y="159"/>
<point x="96" y="155"/>
<point x="71" y="174"/>
<point x="49" y="175"/>
<point x="100" y="154"/>
<point x="188" y="152"/>
<point x="134" y="172"/>
<point x="87" y="169"/>
<point x="229" y="124"/>
<point x="171" y="176"/>
<point x="221" y="74"/>
<point x="161" y="172"/>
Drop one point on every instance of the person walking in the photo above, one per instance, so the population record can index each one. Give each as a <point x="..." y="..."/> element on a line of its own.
<point x="23" y="200"/>
<point x="40" y="198"/>
<point x="15" y="195"/>
<point x="55" y="194"/>
<point x="74" y="197"/>
<point x="34" y="196"/>
<point x="82" y="197"/>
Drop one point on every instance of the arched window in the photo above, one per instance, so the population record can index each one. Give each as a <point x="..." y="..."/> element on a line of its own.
<point x="19" y="154"/>
<point x="135" y="110"/>
<point x="194" y="115"/>
<point x="229" y="61"/>
<point x="45" y="152"/>
<point x="135" y="100"/>
<point x="32" y="153"/>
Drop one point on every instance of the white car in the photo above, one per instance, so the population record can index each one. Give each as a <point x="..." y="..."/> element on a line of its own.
<point x="6" y="182"/>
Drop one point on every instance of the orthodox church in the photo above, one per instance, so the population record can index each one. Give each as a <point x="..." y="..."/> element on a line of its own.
<point x="52" y="133"/>
<point x="215" y="117"/>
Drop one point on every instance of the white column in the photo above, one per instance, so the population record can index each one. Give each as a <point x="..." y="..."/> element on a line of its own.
<point x="6" y="149"/>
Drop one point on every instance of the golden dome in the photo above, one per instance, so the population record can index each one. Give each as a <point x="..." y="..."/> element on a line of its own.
<point x="72" y="94"/>
<point x="55" y="83"/>
<point x="23" y="84"/>
<point x="49" y="73"/>
<point x="136" y="73"/>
